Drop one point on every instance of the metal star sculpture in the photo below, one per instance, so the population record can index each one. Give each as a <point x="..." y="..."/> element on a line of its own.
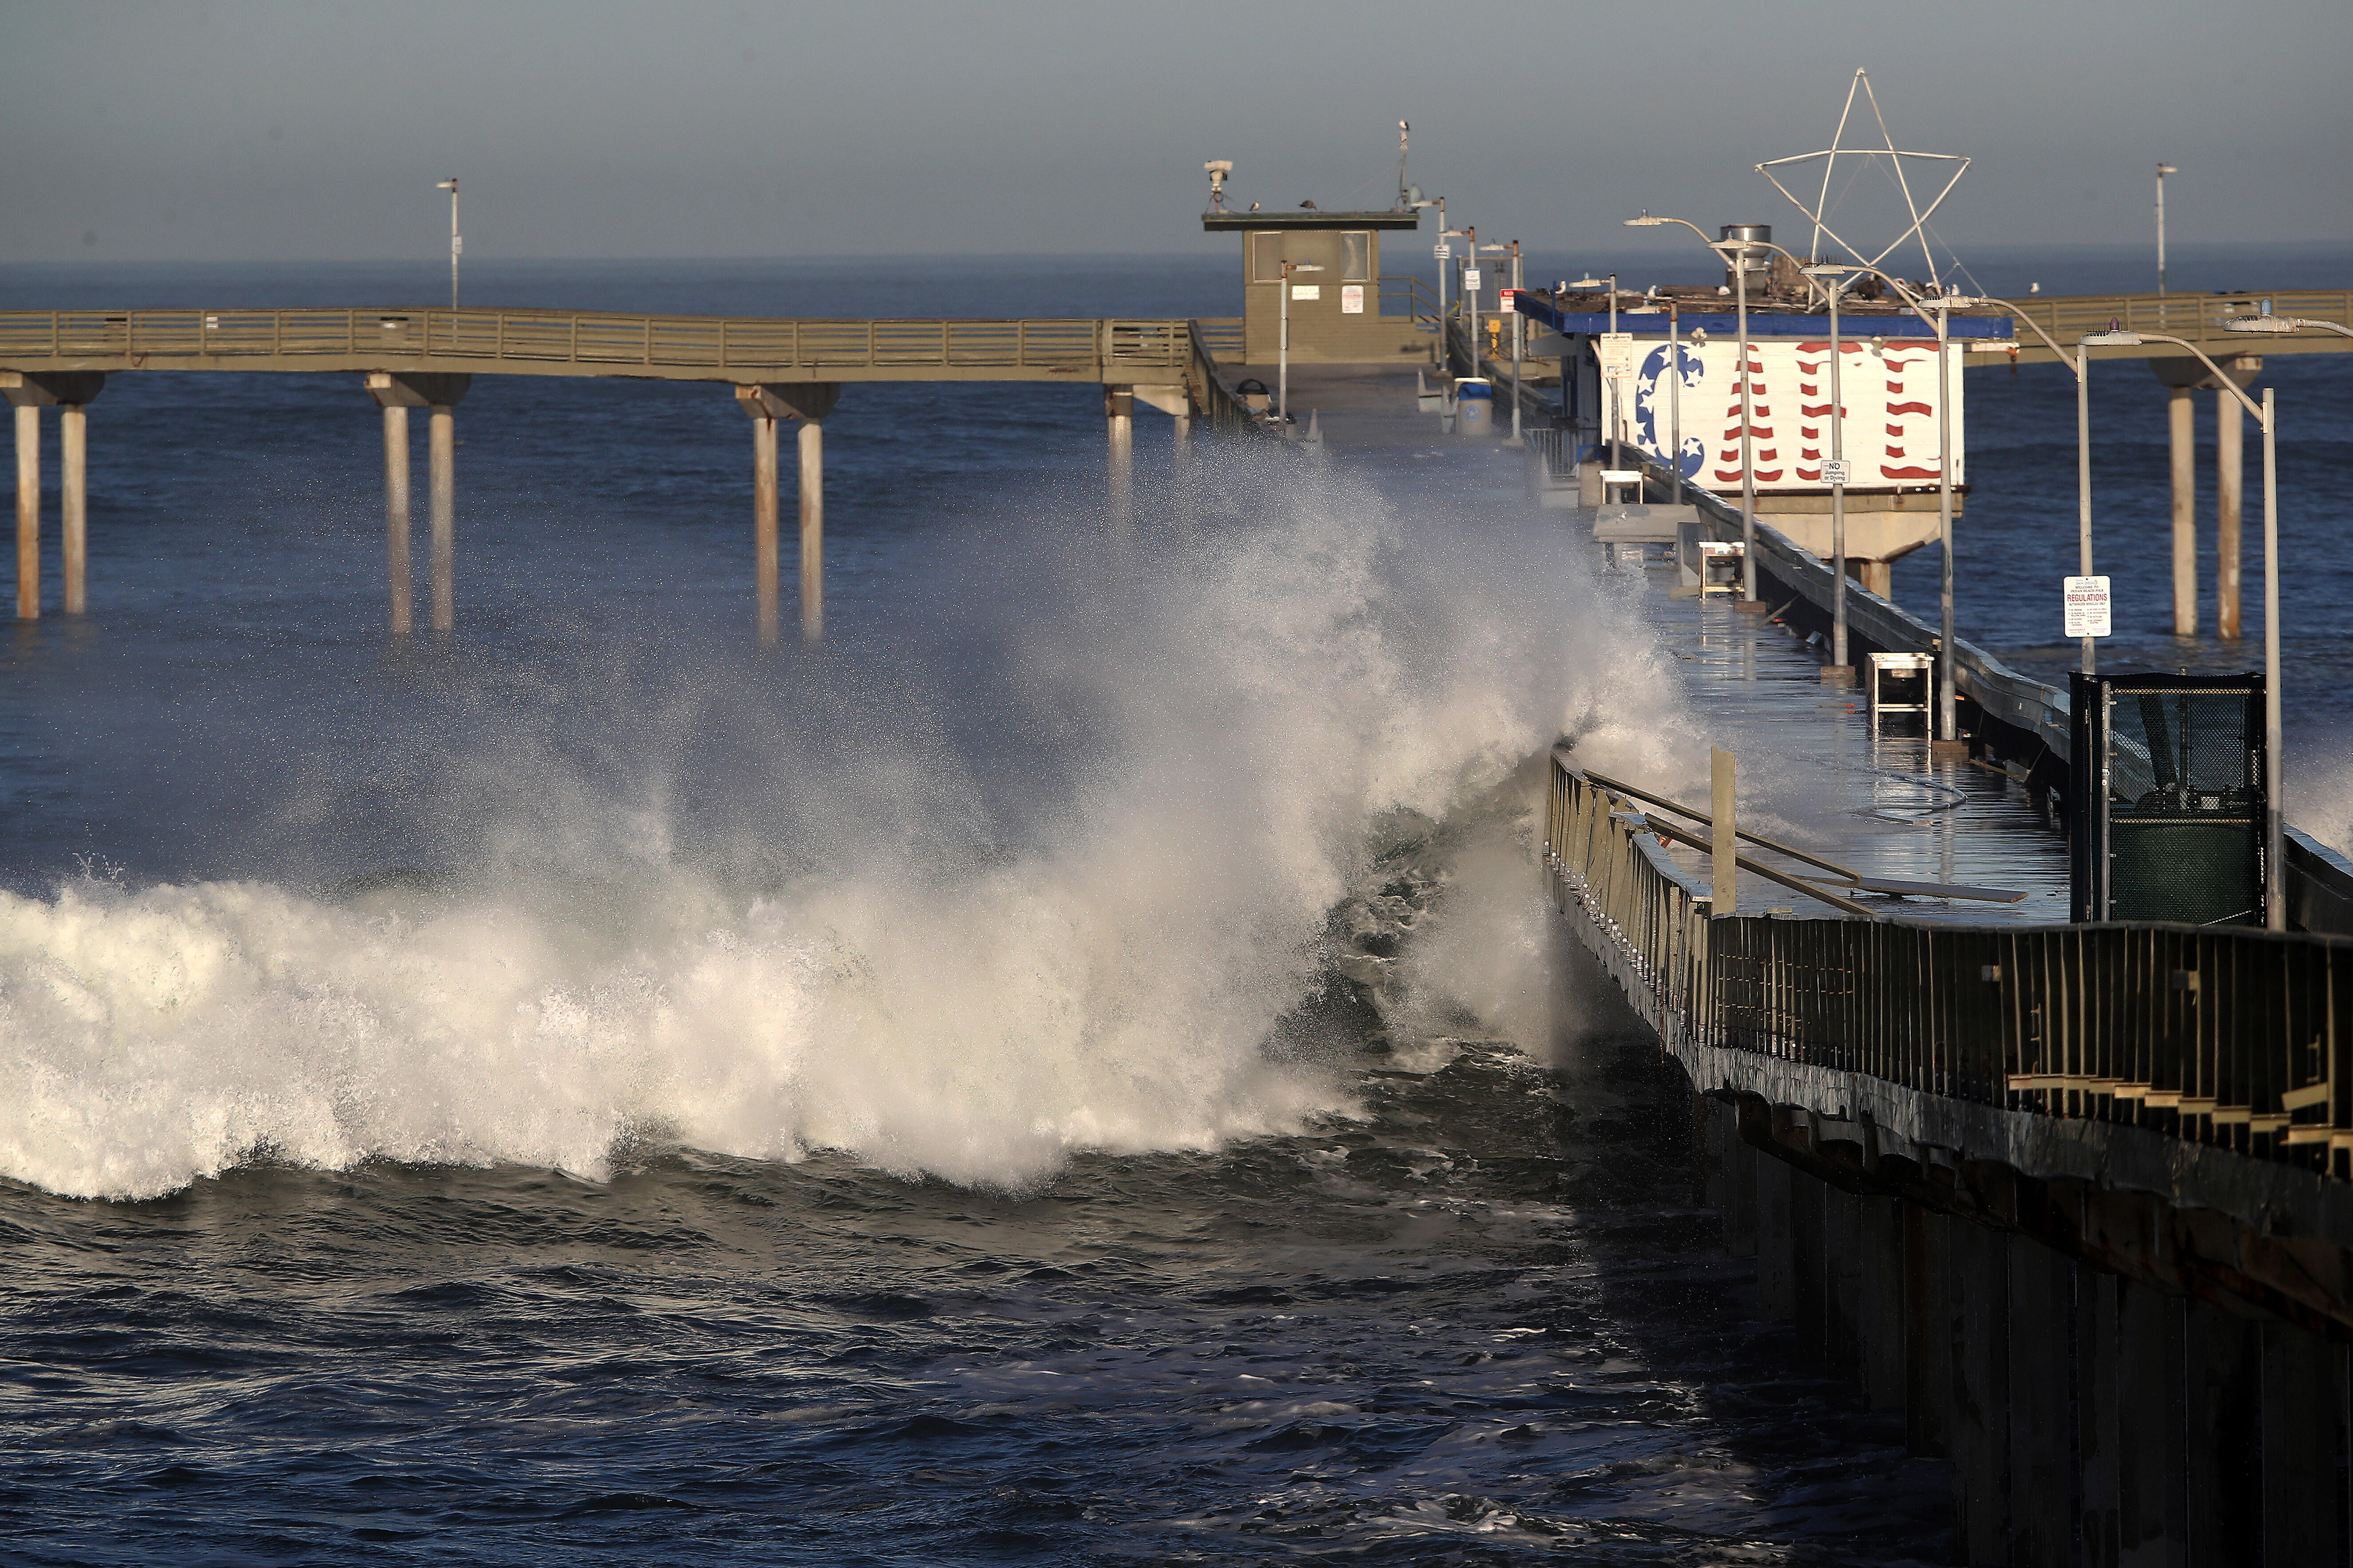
<point x="1887" y="149"/>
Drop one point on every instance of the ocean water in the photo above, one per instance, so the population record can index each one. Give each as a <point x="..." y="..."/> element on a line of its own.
<point x="1074" y="1067"/>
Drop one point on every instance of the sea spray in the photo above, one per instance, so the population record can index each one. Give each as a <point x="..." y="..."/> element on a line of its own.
<point x="956" y="949"/>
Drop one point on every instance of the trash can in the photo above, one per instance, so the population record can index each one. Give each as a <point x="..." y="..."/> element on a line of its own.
<point x="1474" y="402"/>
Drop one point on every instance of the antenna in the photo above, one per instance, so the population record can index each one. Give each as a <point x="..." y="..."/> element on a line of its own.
<point x="1405" y="196"/>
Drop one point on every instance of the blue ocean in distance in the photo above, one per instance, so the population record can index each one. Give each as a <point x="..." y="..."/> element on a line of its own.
<point x="1155" y="1243"/>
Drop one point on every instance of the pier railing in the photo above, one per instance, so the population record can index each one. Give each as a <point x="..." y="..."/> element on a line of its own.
<point x="2220" y="1036"/>
<point x="2196" y="317"/>
<point x="556" y="343"/>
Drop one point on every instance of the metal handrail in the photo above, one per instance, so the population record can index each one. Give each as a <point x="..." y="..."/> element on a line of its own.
<point x="480" y="339"/>
<point x="2229" y="1036"/>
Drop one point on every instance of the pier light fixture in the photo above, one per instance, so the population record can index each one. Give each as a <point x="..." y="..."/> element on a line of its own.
<point x="1832" y="279"/>
<point x="1617" y="459"/>
<point x="455" y="243"/>
<point x="2271" y="324"/>
<point x="1283" y="366"/>
<point x="2274" y="881"/>
<point x="2162" y="170"/>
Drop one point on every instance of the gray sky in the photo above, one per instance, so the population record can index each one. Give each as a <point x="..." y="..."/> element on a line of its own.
<point x="234" y="131"/>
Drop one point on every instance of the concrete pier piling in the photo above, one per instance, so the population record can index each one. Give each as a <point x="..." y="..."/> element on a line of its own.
<point x="2181" y="424"/>
<point x="399" y="576"/>
<point x="2230" y="489"/>
<point x="439" y="395"/>
<point x="29" y="511"/>
<point x="442" y="475"/>
<point x="765" y="567"/>
<point x="71" y="392"/>
<point x="1119" y="421"/>
<point x="2089" y="1417"/>
<point x="812" y="499"/>
<point x="810" y="403"/>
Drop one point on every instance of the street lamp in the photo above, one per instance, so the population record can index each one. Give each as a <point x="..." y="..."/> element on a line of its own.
<point x="2162" y="170"/>
<point x="1519" y="335"/>
<point x="2081" y="365"/>
<point x="1282" y="350"/>
<point x="456" y="245"/>
<point x="2269" y="323"/>
<point x="1833" y="280"/>
<point x="1445" y="264"/>
<point x="1440" y="252"/>
<point x="2274" y="881"/>
<point x="1616" y="459"/>
<point x="1737" y="253"/>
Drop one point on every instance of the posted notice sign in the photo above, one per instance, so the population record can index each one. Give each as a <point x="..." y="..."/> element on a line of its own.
<point x="2087" y="606"/>
<point x="1615" y="353"/>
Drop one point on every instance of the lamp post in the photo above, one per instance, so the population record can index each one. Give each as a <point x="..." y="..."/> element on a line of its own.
<point x="1617" y="459"/>
<point x="2162" y="170"/>
<point x="2275" y="883"/>
<point x="2081" y="365"/>
<point x="1471" y="281"/>
<point x="1441" y="256"/>
<point x="1833" y="278"/>
<point x="1445" y="263"/>
<point x="456" y="245"/>
<point x="1518" y="337"/>
<point x="1282" y="340"/>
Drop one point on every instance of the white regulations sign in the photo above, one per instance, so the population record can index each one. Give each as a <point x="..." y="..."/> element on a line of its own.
<point x="1837" y="471"/>
<point x="1352" y="298"/>
<point x="1615" y="353"/>
<point x="1470" y="278"/>
<point x="2087" y="606"/>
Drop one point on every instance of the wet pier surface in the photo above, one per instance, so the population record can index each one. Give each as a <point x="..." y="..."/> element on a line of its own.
<point x="1815" y="772"/>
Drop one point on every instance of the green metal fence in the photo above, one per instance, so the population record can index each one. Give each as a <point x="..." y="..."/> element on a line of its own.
<point x="2226" y="1035"/>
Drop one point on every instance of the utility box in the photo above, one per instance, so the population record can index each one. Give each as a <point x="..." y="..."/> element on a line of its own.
<point x="2166" y="821"/>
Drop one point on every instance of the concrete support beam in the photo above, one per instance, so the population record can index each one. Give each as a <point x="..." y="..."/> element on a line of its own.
<point x="1743" y="1166"/>
<point x="764" y="509"/>
<point x="1979" y="1422"/>
<point x="1777" y="1284"/>
<point x="767" y="403"/>
<point x="30" y="392"/>
<point x="2304" y="1443"/>
<point x="73" y="494"/>
<point x="440" y="394"/>
<point x="2039" y="1344"/>
<point x="1930" y="1330"/>
<point x="1843" y="1269"/>
<point x="2182" y="377"/>
<point x="2224" y="1434"/>
<point x="2097" y="1350"/>
<point x="1881" y="1318"/>
<point x="2181" y="423"/>
<point x="29" y="511"/>
<point x="1810" y="1265"/>
<point x="441" y="476"/>
<point x="812" y="499"/>
<point x="400" y="582"/>
<point x="1119" y="418"/>
<point x="2230" y="491"/>
<point x="2151" y="1516"/>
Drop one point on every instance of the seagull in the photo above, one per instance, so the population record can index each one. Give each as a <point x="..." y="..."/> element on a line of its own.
<point x="1253" y="206"/>
<point x="1309" y="206"/>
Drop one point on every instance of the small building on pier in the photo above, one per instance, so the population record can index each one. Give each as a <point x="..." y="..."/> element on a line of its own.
<point x="1336" y="314"/>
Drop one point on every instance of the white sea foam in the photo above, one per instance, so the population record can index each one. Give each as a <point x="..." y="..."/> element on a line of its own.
<point x="1110" y="982"/>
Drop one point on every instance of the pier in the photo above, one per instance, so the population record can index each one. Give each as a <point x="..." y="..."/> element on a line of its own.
<point x="782" y="370"/>
<point x="2073" y="1199"/>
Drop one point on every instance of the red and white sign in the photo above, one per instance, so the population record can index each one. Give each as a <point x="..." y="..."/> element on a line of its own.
<point x="1352" y="298"/>
<point x="1890" y="393"/>
<point x="1505" y="297"/>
